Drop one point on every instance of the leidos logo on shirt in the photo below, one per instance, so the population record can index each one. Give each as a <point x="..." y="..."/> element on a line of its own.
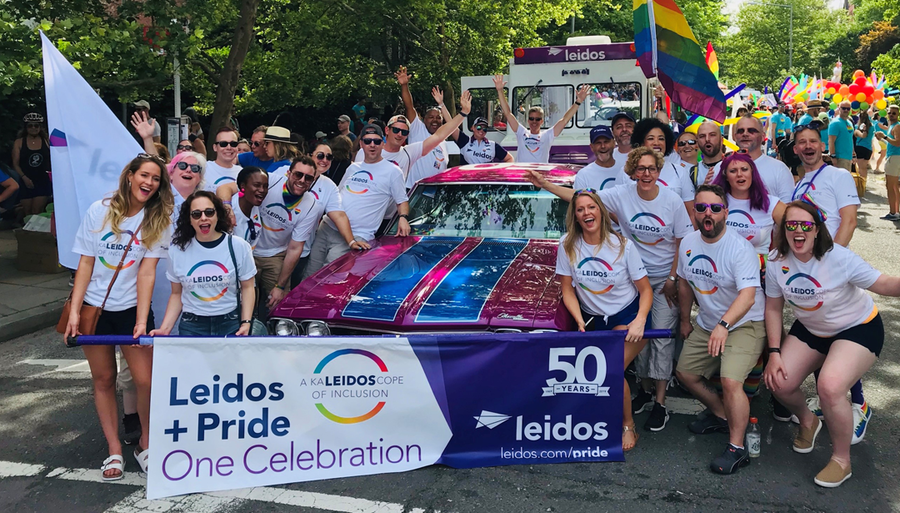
<point x="802" y="292"/>
<point x="700" y="273"/>
<point x="359" y="182"/>
<point x="599" y="277"/>
<point x="272" y="211"/>
<point x="113" y="247"/>
<point x="207" y="276"/>
<point x="748" y="229"/>
<point x="607" y="181"/>
<point x="533" y="144"/>
<point x="647" y="225"/>
<point x="352" y="383"/>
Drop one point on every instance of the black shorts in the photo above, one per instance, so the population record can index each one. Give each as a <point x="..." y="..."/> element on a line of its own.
<point x="869" y="335"/>
<point x="863" y="153"/>
<point x="622" y="318"/>
<point x="121" y="323"/>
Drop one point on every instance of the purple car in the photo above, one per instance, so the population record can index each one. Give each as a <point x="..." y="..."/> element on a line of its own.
<point x="481" y="257"/>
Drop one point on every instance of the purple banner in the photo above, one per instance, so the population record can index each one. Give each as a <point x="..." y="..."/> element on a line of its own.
<point x="587" y="53"/>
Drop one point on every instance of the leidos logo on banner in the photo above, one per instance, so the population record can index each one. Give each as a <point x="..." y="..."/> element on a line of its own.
<point x="576" y="380"/>
<point x="350" y="388"/>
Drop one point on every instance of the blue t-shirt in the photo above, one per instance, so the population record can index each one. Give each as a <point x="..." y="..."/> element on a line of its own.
<point x="804" y="120"/>
<point x="3" y="176"/>
<point x="249" y="159"/>
<point x="866" y="142"/>
<point x="782" y="124"/>
<point x="842" y="130"/>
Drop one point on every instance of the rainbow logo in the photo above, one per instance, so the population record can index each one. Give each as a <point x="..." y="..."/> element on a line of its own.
<point x="366" y="416"/>
<point x="604" y="264"/>
<point x="603" y="185"/>
<point x="533" y="144"/>
<point x="785" y="269"/>
<point x="747" y="215"/>
<point x="125" y="265"/>
<point x="360" y="179"/>
<point x="216" y="267"/>
<point x="273" y="206"/>
<point x="814" y="282"/>
<point x="651" y="216"/>
<point x="714" y="269"/>
<point x="223" y="179"/>
<point x="660" y="180"/>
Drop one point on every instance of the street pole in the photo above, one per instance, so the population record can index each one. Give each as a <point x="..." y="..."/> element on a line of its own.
<point x="175" y="67"/>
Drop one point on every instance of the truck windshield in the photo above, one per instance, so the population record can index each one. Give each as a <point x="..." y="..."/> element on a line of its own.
<point x="607" y="100"/>
<point x="554" y="99"/>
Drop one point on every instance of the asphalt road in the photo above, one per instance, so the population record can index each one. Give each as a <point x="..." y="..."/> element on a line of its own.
<point x="47" y="420"/>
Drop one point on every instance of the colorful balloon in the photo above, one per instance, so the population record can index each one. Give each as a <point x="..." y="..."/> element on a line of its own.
<point x="858" y="73"/>
<point x="860" y="81"/>
<point x="833" y="105"/>
<point x="863" y="105"/>
<point x="853" y="89"/>
<point x="880" y="104"/>
<point x="838" y="97"/>
<point x="878" y="94"/>
<point x="869" y="90"/>
<point x="882" y="112"/>
<point x="844" y="90"/>
<point x="854" y="105"/>
<point x="831" y="90"/>
<point x="860" y="97"/>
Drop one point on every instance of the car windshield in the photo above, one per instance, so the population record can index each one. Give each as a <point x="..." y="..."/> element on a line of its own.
<point x="485" y="210"/>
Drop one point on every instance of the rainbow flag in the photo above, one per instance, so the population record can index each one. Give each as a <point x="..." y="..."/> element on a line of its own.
<point x="712" y="60"/>
<point x="666" y="48"/>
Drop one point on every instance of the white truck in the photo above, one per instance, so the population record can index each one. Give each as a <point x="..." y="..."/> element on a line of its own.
<point x="547" y="76"/>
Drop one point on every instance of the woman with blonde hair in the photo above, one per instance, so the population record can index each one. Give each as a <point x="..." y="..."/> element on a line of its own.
<point x="281" y="148"/>
<point x="121" y="240"/>
<point x="604" y="283"/>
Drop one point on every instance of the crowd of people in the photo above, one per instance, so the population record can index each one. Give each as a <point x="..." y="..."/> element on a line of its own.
<point x="238" y="228"/>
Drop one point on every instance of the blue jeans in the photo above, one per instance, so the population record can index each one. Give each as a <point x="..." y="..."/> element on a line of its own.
<point x="193" y="325"/>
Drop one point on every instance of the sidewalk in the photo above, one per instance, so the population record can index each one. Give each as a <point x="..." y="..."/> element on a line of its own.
<point x="28" y="301"/>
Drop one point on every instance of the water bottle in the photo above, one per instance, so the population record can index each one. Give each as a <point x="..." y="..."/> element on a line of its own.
<point x="754" y="438"/>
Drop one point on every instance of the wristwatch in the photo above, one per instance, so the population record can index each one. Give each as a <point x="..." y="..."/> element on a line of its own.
<point x="404" y="216"/>
<point x="723" y="323"/>
<point x="672" y="277"/>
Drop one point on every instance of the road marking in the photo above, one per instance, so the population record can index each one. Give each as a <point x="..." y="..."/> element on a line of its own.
<point x="684" y="405"/>
<point x="205" y="502"/>
<point x="80" y="365"/>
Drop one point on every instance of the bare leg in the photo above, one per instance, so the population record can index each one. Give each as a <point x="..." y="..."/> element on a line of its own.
<point x="631" y="351"/>
<point x="799" y="361"/>
<point x="893" y="188"/>
<point x="737" y="410"/>
<point x="140" y="361"/>
<point x="102" y="362"/>
<point x="38" y="204"/>
<point x="697" y="386"/>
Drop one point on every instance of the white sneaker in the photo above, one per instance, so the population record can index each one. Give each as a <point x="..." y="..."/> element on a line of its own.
<point x="861" y="416"/>
<point x="813" y="404"/>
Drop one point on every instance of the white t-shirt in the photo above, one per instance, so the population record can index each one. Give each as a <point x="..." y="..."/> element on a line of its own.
<point x="620" y="158"/>
<point x="671" y="178"/>
<point x="283" y="223"/>
<point x="533" y="147"/>
<point x="403" y="158"/>
<point x="832" y="189"/>
<point x="673" y="158"/>
<point x="752" y="224"/>
<point x="247" y="228"/>
<point x="208" y="284"/>
<point x="433" y="163"/>
<point x="367" y="190"/>
<point x="717" y="272"/>
<point x="327" y="200"/>
<point x="826" y="295"/>
<point x="603" y="281"/>
<point x="216" y="175"/>
<point x="703" y="171"/>
<point x="592" y="176"/>
<point x="653" y="225"/>
<point x="96" y="239"/>
<point x="775" y="175"/>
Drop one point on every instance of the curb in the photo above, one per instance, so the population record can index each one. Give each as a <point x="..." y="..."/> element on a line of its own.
<point x="28" y="321"/>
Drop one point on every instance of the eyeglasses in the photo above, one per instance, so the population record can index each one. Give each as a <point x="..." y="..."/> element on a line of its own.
<point x="480" y="127"/>
<point x="534" y="119"/>
<point x="805" y="226"/>
<point x="195" y="168"/>
<point x="685" y="143"/>
<point x="716" y="208"/>
<point x="256" y="144"/>
<point x="750" y="130"/>
<point x="322" y="155"/>
<point x="646" y="169"/>
<point x="303" y="176"/>
<point x="208" y="212"/>
<point x="585" y="191"/>
<point x="185" y="147"/>
<point x="399" y="130"/>
<point x="225" y="144"/>
<point x="742" y="151"/>
<point x="367" y="142"/>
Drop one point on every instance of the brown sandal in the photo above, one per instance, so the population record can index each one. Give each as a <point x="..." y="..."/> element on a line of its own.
<point x="635" y="434"/>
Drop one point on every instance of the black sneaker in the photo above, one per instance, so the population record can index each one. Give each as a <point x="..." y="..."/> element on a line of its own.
<point x="659" y="415"/>
<point x="730" y="460"/>
<point x="132" y="428"/>
<point x="643" y="401"/>
<point x="709" y="424"/>
<point x="780" y="411"/>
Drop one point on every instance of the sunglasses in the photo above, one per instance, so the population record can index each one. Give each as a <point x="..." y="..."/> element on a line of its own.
<point x="305" y="177"/>
<point x="400" y="131"/>
<point x="814" y="125"/>
<point x="714" y="207"/>
<point x="195" y="168"/>
<point x="845" y="108"/>
<point x="208" y="212"/>
<point x="535" y="119"/>
<point x="370" y="141"/>
<point x="646" y="169"/>
<point x="148" y="156"/>
<point x="256" y="144"/>
<point x="225" y="144"/>
<point x="805" y="226"/>
<point x="185" y="147"/>
<point x="740" y="131"/>
<point x="585" y="191"/>
<point x="685" y="143"/>
<point x="322" y="155"/>
<point x="480" y="127"/>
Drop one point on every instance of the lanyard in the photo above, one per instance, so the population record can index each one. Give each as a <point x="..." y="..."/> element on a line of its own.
<point x="808" y="184"/>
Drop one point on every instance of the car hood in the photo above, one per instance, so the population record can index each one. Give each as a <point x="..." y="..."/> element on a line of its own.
<point x="410" y="284"/>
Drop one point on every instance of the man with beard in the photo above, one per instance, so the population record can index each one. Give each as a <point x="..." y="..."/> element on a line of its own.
<point x="420" y="129"/>
<point x="709" y="137"/>
<point x="622" y="127"/>
<point x="840" y="137"/>
<point x="602" y="172"/>
<point x="223" y="169"/>
<point x="719" y="269"/>
<point x="748" y="135"/>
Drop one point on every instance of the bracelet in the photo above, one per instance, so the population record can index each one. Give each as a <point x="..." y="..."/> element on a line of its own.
<point x="247" y="321"/>
<point x="404" y="216"/>
<point x="774" y="350"/>
<point x="227" y="203"/>
<point x="351" y="243"/>
<point x="279" y="287"/>
<point x="578" y="103"/>
<point x="464" y="114"/>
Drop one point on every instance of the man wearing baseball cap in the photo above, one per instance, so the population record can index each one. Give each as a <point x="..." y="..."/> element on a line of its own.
<point x="144" y="107"/>
<point x="343" y="125"/>
<point x="479" y="149"/>
<point x="602" y="172"/>
<point x="622" y="125"/>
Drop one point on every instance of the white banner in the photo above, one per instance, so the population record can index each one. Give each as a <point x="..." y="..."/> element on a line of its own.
<point x="236" y="413"/>
<point x="89" y="147"/>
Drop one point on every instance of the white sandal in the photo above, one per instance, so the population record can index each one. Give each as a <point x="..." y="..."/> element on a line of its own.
<point x="114" y="462"/>
<point x="142" y="457"/>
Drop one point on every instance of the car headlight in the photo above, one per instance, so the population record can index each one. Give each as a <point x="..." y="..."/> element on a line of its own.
<point x="317" y="329"/>
<point x="285" y="328"/>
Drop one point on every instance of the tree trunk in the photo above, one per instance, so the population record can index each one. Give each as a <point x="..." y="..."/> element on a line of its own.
<point x="231" y="73"/>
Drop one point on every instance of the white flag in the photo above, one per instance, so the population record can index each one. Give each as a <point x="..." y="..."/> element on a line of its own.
<point x="89" y="147"/>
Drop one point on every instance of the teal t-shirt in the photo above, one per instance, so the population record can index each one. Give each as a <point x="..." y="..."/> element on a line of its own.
<point x="866" y="142"/>
<point x="891" y="149"/>
<point x="782" y="124"/>
<point x="842" y="130"/>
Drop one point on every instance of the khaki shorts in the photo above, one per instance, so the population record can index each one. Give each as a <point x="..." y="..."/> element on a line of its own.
<point x="742" y="349"/>
<point x="843" y="164"/>
<point x="267" y="271"/>
<point x="892" y="166"/>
